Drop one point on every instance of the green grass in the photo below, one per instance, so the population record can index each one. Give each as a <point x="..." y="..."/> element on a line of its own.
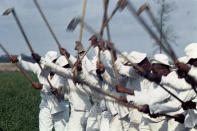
<point x="19" y="103"/>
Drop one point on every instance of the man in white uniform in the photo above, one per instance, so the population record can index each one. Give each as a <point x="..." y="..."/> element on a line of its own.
<point x="190" y="73"/>
<point x="120" y="120"/>
<point x="164" y="106"/>
<point x="52" y="113"/>
<point x="142" y="87"/>
<point x="99" y="115"/>
<point x="77" y="96"/>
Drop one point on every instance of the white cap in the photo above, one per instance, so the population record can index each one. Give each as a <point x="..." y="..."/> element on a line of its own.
<point x="121" y="59"/>
<point x="137" y="57"/>
<point x="191" y="51"/>
<point x="183" y="59"/>
<point x="160" y="59"/>
<point x="61" y="61"/>
<point x="50" y="56"/>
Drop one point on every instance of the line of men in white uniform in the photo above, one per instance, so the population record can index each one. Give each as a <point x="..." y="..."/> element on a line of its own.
<point x="135" y="88"/>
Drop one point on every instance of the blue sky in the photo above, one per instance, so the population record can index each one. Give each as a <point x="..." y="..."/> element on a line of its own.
<point x="126" y="32"/>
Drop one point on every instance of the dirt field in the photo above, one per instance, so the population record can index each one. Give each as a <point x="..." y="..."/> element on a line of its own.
<point x="7" y="67"/>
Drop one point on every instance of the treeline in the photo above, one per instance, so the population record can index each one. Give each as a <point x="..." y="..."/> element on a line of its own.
<point x="5" y="58"/>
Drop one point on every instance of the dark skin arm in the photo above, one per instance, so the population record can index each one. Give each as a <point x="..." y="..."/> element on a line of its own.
<point x="101" y="45"/>
<point x="13" y="59"/>
<point x="54" y="91"/>
<point x="78" y="64"/>
<point x="122" y="4"/>
<point x="145" y="109"/>
<point x="64" y="52"/>
<point x="153" y="77"/>
<point x="100" y="68"/>
<point x="123" y="99"/>
<point x="121" y="89"/>
<point x="37" y="85"/>
<point x="110" y="46"/>
<point x="36" y="57"/>
<point x="179" y="118"/>
<point x="94" y="41"/>
<point x="189" y="105"/>
<point x="182" y="67"/>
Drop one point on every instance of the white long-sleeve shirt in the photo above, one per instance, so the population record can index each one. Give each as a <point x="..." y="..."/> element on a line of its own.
<point x="174" y="107"/>
<point x="121" y="110"/>
<point x="107" y="84"/>
<point x="77" y="96"/>
<point x="84" y="75"/>
<point x="57" y="82"/>
<point x="173" y="81"/>
<point x="48" y="99"/>
<point x="107" y="61"/>
<point x="183" y="89"/>
<point x="34" y="68"/>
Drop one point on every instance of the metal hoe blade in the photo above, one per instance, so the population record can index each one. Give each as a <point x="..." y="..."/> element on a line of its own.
<point x="8" y="11"/>
<point x="73" y="24"/>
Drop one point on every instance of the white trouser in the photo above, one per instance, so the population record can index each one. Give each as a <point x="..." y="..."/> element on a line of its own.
<point x="194" y="128"/>
<point x="105" y="121"/>
<point x="118" y="124"/>
<point x="176" y="126"/>
<point x="135" y="118"/>
<point x="133" y="127"/>
<point x="78" y="120"/>
<point x="143" y="126"/>
<point x="148" y="124"/>
<point x="93" y="123"/>
<point x="158" y="126"/>
<point x="48" y="120"/>
<point x="94" y="117"/>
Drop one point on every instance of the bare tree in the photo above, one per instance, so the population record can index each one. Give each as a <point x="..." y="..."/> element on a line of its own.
<point x="165" y="7"/>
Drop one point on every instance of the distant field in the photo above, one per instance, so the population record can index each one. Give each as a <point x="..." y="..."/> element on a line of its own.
<point x="19" y="103"/>
<point x="7" y="67"/>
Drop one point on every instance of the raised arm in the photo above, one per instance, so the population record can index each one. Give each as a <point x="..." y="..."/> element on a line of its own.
<point x="28" y="66"/>
<point x="171" y="106"/>
<point x="56" y="68"/>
